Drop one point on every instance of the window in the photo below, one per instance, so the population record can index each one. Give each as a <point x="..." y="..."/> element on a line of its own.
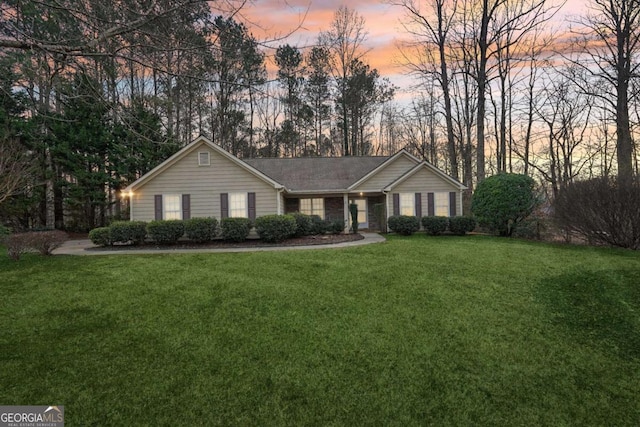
<point x="407" y="204"/>
<point x="204" y="158"/>
<point x="441" y="202"/>
<point x="238" y="205"/>
<point x="312" y="207"/>
<point x="172" y="204"/>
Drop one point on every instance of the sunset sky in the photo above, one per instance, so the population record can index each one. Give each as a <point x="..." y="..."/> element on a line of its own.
<point x="277" y="18"/>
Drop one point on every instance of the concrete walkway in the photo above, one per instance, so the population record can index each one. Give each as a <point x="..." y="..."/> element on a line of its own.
<point x="78" y="247"/>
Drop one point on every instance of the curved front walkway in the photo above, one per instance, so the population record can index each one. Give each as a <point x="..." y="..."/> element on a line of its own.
<point x="78" y="247"/>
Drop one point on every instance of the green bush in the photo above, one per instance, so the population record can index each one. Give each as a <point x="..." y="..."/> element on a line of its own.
<point x="404" y="224"/>
<point x="502" y="201"/>
<point x="165" y="231"/>
<point x="100" y="236"/>
<point x="435" y="225"/>
<point x="276" y="228"/>
<point x="128" y="231"/>
<point x="235" y="229"/>
<point x="335" y="226"/>
<point x="461" y="225"/>
<point x="304" y="224"/>
<point x="201" y="229"/>
<point x="318" y="225"/>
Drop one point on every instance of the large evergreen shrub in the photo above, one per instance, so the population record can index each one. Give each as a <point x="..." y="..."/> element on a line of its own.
<point x="502" y="201"/>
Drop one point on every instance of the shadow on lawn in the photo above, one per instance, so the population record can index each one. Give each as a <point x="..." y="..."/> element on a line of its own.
<point x="600" y="308"/>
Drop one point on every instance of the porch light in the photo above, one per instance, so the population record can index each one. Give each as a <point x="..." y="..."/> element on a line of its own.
<point x="361" y="194"/>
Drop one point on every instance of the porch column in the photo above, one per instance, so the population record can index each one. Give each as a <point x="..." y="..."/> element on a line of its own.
<point x="345" y="210"/>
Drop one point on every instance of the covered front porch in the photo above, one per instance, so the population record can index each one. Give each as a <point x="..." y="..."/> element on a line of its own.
<point x="371" y="208"/>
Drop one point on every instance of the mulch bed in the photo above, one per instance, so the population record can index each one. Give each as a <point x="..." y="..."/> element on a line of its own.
<point x="250" y="243"/>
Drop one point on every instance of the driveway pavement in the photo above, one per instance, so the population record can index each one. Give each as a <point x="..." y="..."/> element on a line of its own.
<point x="79" y="247"/>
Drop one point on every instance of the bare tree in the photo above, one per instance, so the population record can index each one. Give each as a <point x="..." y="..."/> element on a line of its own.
<point x="16" y="169"/>
<point x="430" y="30"/>
<point x="344" y="40"/>
<point x="490" y="21"/>
<point x="612" y="44"/>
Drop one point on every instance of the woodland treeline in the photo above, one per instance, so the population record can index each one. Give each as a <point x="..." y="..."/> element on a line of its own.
<point x="95" y="93"/>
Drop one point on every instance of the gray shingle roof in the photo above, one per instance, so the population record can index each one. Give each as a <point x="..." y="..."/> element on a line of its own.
<point x="316" y="173"/>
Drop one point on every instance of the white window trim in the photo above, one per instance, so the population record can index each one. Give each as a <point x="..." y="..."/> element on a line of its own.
<point x="245" y="197"/>
<point x="164" y="206"/>
<point x="208" y="158"/>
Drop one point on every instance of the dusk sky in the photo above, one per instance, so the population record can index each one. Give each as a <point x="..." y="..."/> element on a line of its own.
<point x="382" y="21"/>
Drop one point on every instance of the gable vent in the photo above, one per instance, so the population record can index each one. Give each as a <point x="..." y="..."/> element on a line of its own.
<point x="204" y="158"/>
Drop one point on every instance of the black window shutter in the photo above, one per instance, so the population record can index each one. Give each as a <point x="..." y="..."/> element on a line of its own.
<point x="431" y="205"/>
<point x="251" y="203"/>
<point x="186" y="206"/>
<point x="224" y="205"/>
<point x="396" y="204"/>
<point x="452" y="204"/>
<point x="419" y="205"/>
<point x="157" y="201"/>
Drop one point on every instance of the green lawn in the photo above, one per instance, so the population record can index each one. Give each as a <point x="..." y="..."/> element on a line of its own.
<point x="416" y="331"/>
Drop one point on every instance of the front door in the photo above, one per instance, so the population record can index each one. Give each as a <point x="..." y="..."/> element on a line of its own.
<point x="363" y="220"/>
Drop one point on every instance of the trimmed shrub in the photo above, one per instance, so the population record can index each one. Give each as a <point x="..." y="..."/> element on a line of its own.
<point x="502" y="201"/>
<point x="318" y="225"/>
<point x="404" y="224"/>
<point x="353" y="210"/>
<point x="235" y="229"/>
<point x="461" y="225"/>
<point x="100" y="236"/>
<point x="435" y="225"/>
<point x="165" y="231"/>
<point x="601" y="210"/>
<point x="201" y="229"/>
<point x="128" y="231"/>
<point x="335" y="227"/>
<point x="276" y="228"/>
<point x="304" y="224"/>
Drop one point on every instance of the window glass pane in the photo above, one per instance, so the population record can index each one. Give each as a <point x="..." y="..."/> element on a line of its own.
<point x="312" y="207"/>
<point x="407" y="204"/>
<point x="238" y="205"/>
<point x="441" y="204"/>
<point x="172" y="208"/>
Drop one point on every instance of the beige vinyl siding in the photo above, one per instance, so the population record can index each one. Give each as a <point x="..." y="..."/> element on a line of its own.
<point x="388" y="174"/>
<point x="204" y="184"/>
<point x="425" y="181"/>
